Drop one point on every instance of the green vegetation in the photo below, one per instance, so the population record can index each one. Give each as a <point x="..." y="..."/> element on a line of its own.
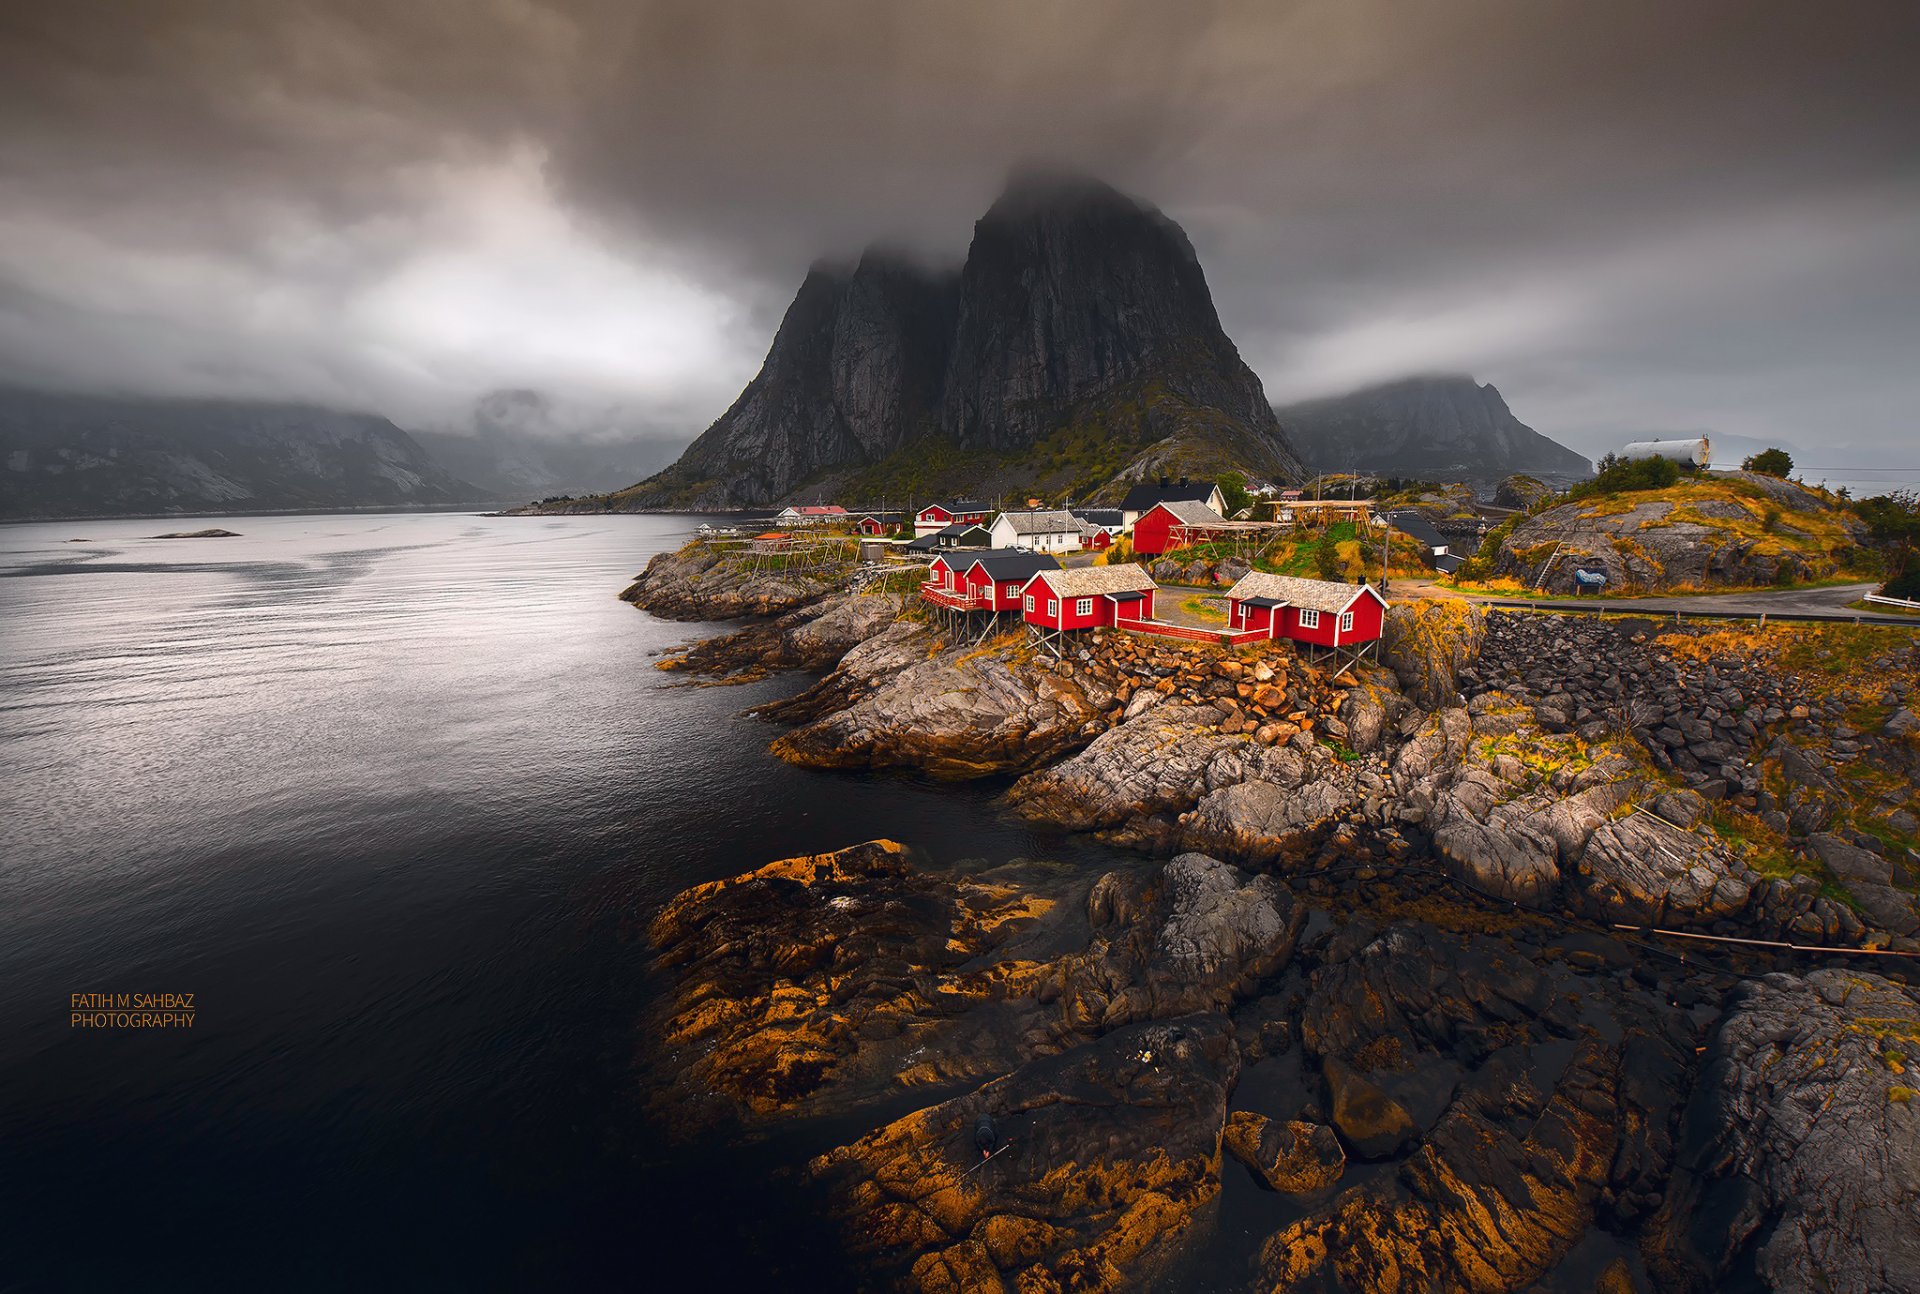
<point x="1233" y="492"/>
<point x="1771" y="462"/>
<point x="1204" y="608"/>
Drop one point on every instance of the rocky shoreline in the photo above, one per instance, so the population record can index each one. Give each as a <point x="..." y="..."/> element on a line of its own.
<point x="1395" y="972"/>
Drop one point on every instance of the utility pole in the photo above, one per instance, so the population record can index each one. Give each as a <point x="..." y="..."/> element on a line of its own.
<point x="1386" y="550"/>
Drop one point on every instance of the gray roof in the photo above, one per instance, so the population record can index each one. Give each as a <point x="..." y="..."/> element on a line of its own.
<point x="1312" y="595"/>
<point x="1409" y="522"/>
<point x="1191" y="513"/>
<point x="1142" y="497"/>
<point x="1083" y="581"/>
<point x="1055" y="521"/>
<point x="1005" y="565"/>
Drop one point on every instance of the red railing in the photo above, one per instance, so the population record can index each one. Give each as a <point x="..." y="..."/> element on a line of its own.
<point x="1226" y="637"/>
<point x="950" y="598"/>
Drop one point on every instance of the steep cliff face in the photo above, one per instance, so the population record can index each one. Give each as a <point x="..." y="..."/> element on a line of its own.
<point x="1448" y="427"/>
<point x="1071" y="291"/>
<point x="82" y="455"/>
<point x="1078" y="309"/>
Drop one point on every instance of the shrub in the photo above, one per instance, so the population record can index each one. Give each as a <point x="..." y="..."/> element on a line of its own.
<point x="1771" y="462"/>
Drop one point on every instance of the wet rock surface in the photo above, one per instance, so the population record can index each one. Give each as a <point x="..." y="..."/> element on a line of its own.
<point x="815" y="637"/>
<point x="1800" y="1159"/>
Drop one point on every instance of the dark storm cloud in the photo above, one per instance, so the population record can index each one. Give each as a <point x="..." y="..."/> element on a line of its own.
<point x="1628" y="215"/>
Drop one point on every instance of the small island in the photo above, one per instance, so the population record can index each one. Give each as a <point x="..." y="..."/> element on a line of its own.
<point x="213" y="533"/>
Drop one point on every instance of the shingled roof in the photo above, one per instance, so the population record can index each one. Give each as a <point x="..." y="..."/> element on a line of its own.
<point x="1312" y="595"/>
<point x="1190" y="513"/>
<point x="1010" y="565"/>
<point x="1085" y="581"/>
<point x="1044" y="522"/>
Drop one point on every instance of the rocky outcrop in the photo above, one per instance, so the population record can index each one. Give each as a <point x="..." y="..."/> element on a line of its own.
<point x="1445" y="427"/>
<point x="1291" y="1156"/>
<point x="1521" y="492"/>
<point x="1111" y="1159"/>
<point x="952" y="713"/>
<point x="1428" y="643"/>
<point x="1736" y="530"/>
<point x="1077" y="306"/>
<point x="816" y="637"/>
<point x="1801" y="1156"/>
<point x="814" y="982"/>
<point x="1516" y="1131"/>
<point x="702" y="582"/>
<point x="1247" y="774"/>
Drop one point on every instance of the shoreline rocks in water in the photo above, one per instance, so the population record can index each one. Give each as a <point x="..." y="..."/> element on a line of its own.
<point x="704" y="582"/>
<point x="1430" y="1090"/>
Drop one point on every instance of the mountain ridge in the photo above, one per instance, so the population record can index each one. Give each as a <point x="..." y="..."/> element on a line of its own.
<point x="1081" y="320"/>
<point x="1445" y="426"/>
<point x="70" y="455"/>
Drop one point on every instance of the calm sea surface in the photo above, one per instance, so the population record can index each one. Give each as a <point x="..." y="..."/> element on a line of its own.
<point x="392" y="796"/>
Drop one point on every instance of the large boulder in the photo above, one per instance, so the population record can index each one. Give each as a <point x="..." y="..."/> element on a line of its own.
<point x="1800" y="1158"/>
<point x="1291" y="1156"/>
<point x="1428" y="643"/>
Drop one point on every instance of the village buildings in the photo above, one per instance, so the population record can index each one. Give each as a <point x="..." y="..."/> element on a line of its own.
<point x="938" y="516"/>
<point x="1141" y="498"/>
<point x="1319" y="613"/>
<point x="1039" y="530"/>
<point x="1173" y="524"/>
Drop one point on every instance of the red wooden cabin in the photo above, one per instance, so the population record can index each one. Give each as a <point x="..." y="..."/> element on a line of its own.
<point x="938" y="516"/>
<point x="1088" y="597"/>
<point x="1322" y="613"/>
<point x="998" y="579"/>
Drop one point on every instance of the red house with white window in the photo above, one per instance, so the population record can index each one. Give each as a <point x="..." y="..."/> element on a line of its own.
<point x="1171" y="525"/>
<point x="1320" y="613"/>
<point x="1088" y="597"/>
<point x="998" y="580"/>
<point x="876" y="524"/>
<point x="938" y="516"/>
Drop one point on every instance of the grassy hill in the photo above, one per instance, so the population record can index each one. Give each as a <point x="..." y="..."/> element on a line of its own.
<point x="1688" y="532"/>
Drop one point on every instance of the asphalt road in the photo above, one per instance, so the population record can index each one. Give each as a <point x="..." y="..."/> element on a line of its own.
<point x="1796" y="604"/>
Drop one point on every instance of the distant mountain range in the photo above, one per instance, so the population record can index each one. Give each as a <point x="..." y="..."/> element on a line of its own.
<point x="1443" y="428"/>
<point x="80" y="455"/>
<point x="1077" y="345"/>
<point x="65" y="455"/>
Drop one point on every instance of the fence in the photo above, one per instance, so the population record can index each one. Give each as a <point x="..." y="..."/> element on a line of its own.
<point x="1907" y="604"/>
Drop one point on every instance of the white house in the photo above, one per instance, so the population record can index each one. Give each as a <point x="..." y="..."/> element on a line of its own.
<point x="1141" y="498"/>
<point x="1044" y="531"/>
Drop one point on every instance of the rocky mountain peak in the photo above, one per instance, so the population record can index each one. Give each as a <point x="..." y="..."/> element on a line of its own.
<point x="1077" y="306"/>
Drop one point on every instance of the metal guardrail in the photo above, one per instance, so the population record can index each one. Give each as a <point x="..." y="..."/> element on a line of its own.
<point x="1905" y="603"/>
<point x="1600" y="606"/>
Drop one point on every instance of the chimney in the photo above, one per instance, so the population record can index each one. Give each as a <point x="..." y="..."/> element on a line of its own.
<point x="1164" y="482"/>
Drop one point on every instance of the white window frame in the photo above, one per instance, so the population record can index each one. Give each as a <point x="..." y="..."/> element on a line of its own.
<point x="1346" y="622"/>
<point x="1029" y="603"/>
<point x="1053" y="608"/>
<point x="1012" y="591"/>
<point x="1309" y="618"/>
<point x="1084" y="607"/>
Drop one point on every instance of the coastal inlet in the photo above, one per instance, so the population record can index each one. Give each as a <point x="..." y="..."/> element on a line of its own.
<point x="1505" y="965"/>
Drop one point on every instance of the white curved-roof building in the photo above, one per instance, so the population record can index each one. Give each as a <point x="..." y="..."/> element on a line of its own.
<point x="1695" y="452"/>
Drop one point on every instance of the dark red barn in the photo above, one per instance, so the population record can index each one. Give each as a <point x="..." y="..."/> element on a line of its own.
<point x="1154" y="533"/>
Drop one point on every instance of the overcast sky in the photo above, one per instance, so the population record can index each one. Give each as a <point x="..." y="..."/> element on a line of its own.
<point x="1678" y="215"/>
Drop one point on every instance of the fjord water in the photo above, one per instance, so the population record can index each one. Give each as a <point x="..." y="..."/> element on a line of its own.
<point x="393" y="796"/>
